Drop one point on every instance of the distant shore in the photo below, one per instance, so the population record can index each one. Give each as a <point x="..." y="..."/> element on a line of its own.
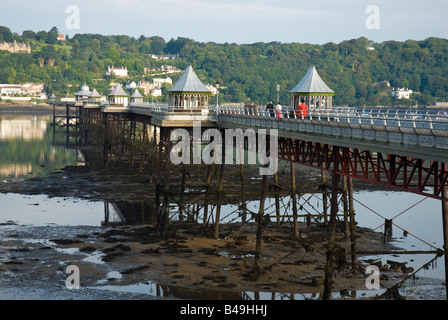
<point x="26" y="109"/>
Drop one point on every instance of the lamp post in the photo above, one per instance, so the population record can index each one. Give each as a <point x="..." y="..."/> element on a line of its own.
<point x="217" y="92"/>
<point x="278" y="92"/>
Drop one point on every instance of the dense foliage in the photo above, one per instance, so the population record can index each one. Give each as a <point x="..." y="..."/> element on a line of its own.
<point x="248" y="72"/>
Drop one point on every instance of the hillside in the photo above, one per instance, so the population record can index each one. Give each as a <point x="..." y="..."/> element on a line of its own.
<point x="248" y="72"/>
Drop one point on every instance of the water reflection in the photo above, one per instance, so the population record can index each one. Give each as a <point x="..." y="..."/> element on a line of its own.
<point x="29" y="147"/>
<point x="33" y="128"/>
<point x="40" y="210"/>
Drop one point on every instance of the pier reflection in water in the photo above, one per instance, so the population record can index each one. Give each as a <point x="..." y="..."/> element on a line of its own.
<point x="29" y="148"/>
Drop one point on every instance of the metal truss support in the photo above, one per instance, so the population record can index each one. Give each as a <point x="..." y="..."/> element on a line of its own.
<point x="401" y="173"/>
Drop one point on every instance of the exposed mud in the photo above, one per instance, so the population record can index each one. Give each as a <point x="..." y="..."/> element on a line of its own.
<point x="186" y="263"/>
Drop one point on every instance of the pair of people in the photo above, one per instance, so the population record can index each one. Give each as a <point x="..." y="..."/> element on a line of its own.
<point x="275" y="111"/>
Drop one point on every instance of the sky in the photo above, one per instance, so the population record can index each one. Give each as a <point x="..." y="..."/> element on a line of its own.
<point x="235" y="21"/>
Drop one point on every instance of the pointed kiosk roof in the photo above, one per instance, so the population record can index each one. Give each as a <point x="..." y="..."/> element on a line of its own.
<point x="189" y="83"/>
<point x="94" y="94"/>
<point x="136" y="94"/>
<point x="118" y="91"/>
<point x="312" y="83"/>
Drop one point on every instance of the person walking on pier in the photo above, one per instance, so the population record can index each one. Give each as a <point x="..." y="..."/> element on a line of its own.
<point x="302" y="110"/>
<point x="278" y="110"/>
<point x="270" y="108"/>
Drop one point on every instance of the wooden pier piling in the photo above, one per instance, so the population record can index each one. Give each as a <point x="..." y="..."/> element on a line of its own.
<point x="331" y="237"/>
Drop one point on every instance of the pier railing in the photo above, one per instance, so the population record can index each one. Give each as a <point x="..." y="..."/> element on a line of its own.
<point x="348" y="126"/>
<point x="165" y="108"/>
<point x="405" y="121"/>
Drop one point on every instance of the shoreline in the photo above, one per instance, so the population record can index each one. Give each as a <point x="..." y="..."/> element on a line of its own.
<point x="26" y="109"/>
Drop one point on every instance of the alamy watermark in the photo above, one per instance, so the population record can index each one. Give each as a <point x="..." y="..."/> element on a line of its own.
<point x="73" y="280"/>
<point x="73" y="21"/>
<point x="262" y="147"/>
<point x="373" y="280"/>
<point x="373" y="20"/>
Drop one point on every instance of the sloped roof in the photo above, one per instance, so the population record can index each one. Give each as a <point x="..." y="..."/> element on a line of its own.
<point x="189" y="82"/>
<point x="136" y="94"/>
<point x="118" y="91"/>
<point x="311" y="83"/>
<point x="94" y="94"/>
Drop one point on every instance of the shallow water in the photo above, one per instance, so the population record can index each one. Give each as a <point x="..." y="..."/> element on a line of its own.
<point x="40" y="210"/>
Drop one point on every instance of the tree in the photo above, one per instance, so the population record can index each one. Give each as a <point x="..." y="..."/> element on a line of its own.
<point x="28" y="35"/>
<point x="6" y="34"/>
<point x="157" y="45"/>
<point x="52" y="38"/>
<point x="41" y="36"/>
<point x="113" y="55"/>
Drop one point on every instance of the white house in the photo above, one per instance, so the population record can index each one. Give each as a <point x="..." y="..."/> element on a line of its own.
<point x="9" y="89"/>
<point x="119" y="72"/>
<point x="157" y="82"/>
<point x="156" y="92"/>
<point x="401" y="93"/>
<point x="130" y="85"/>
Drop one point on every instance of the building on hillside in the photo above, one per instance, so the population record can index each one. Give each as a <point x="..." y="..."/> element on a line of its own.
<point x="158" y="82"/>
<point x="33" y="88"/>
<point x="118" y="72"/>
<point x="146" y="86"/>
<point x="11" y="89"/>
<point x="130" y="85"/>
<point x="189" y="92"/>
<point x="313" y="91"/>
<point x="118" y="97"/>
<point x="15" y="47"/>
<point x="401" y="93"/>
<point x="61" y="37"/>
<point x="156" y="92"/>
<point x="441" y="104"/>
<point x="165" y="56"/>
<point x="30" y="90"/>
<point x="162" y="69"/>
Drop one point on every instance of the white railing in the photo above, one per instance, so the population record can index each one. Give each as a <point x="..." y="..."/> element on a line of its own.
<point x="353" y="116"/>
<point x="164" y="108"/>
